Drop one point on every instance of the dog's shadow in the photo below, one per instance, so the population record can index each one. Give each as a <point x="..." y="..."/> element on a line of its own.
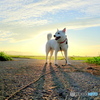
<point x="55" y="78"/>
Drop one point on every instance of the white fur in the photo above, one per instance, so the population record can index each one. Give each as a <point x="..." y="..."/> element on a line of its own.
<point x="53" y="44"/>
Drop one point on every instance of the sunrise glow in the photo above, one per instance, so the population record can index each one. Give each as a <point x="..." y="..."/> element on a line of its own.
<point x="24" y="26"/>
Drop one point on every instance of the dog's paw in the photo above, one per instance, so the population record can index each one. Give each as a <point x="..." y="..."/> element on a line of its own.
<point x="50" y="63"/>
<point x="46" y="63"/>
<point x="56" y="65"/>
<point x="64" y="65"/>
<point x="68" y="63"/>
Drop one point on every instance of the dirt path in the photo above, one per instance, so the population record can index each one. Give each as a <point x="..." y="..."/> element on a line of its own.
<point x="56" y="83"/>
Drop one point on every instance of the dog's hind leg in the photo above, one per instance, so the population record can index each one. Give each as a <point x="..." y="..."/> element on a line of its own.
<point x="51" y="53"/>
<point x="47" y="52"/>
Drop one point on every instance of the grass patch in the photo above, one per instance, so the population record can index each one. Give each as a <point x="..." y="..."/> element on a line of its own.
<point x="28" y="57"/>
<point x="79" y="58"/>
<point x="34" y="57"/>
<point x="91" y="60"/>
<point x="94" y="60"/>
<point x="4" y="57"/>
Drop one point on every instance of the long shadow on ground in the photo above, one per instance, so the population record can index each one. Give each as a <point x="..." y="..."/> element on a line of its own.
<point x="35" y="90"/>
<point x="39" y="87"/>
<point x="74" y="84"/>
<point x="70" y="81"/>
<point x="58" y="85"/>
<point x="55" y="79"/>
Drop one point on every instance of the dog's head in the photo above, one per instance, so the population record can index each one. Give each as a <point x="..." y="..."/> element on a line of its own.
<point x="60" y="35"/>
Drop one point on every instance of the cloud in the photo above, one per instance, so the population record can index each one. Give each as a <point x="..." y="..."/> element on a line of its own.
<point x="83" y="23"/>
<point x="6" y="35"/>
<point x="29" y="18"/>
<point x="18" y="10"/>
<point x="19" y="33"/>
<point x="30" y="23"/>
<point x="77" y="24"/>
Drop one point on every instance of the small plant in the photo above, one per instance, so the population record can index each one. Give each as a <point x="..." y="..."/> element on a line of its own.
<point x="4" y="57"/>
<point x="94" y="60"/>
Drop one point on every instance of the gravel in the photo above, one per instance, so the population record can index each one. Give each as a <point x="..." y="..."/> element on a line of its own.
<point x="70" y="82"/>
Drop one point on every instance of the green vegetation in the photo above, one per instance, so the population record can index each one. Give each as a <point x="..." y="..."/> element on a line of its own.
<point x="28" y="57"/>
<point x="79" y="58"/>
<point x="4" y="57"/>
<point x="91" y="60"/>
<point x="94" y="60"/>
<point x="33" y="57"/>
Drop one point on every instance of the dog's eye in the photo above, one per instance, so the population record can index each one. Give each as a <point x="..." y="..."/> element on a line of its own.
<point x="58" y="33"/>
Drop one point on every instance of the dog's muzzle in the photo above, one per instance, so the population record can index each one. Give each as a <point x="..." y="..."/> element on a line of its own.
<point x="56" y="38"/>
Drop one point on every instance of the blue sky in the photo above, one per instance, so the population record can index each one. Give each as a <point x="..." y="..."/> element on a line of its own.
<point x="24" y="25"/>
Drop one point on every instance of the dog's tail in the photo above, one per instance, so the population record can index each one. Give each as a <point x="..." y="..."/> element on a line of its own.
<point x="49" y="36"/>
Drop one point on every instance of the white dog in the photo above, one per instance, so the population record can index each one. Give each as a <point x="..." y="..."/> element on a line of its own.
<point x="59" y="43"/>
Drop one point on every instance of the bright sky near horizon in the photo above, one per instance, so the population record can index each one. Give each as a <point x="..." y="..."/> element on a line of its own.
<point x="24" y="25"/>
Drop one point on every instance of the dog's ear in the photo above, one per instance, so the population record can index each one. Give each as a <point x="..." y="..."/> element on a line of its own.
<point x="64" y="30"/>
<point x="57" y="30"/>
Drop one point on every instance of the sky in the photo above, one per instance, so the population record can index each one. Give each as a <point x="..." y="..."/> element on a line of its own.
<point x="24" y="25"/>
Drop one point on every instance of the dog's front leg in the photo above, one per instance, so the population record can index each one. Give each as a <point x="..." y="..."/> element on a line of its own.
<point x="66" y="57"/>
<point x="56" y="57"/>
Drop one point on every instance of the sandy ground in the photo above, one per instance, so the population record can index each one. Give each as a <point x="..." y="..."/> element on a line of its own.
<point x="71" y="82"/>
